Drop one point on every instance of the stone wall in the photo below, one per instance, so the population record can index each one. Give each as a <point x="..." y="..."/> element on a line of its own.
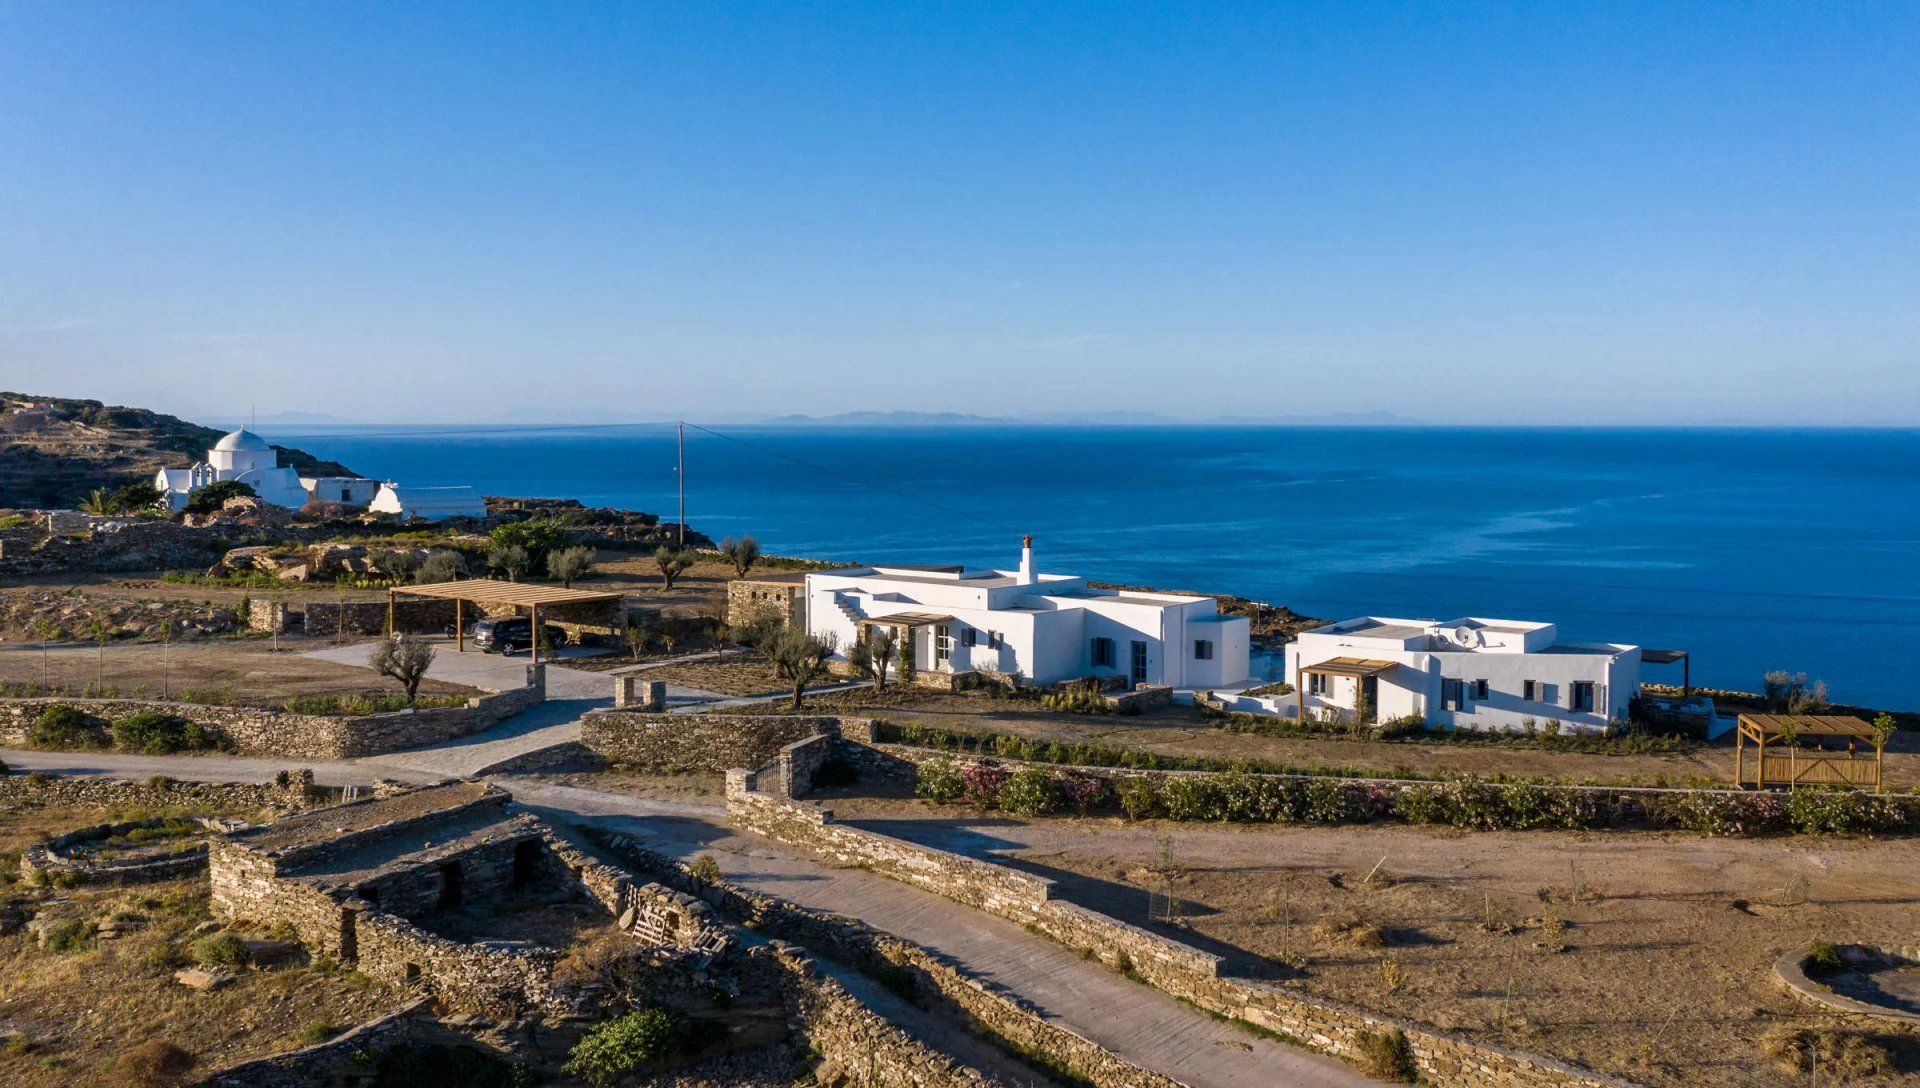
<point x="748" y="598"/>
<point x="108" y="544"/>
<point x="413" y="615"/>
<point x="260" y="731"/>
<point x="90" y="791"/>
<point x="685" y="743"/>
<point x="861" y="1046"/>
<point x="1443" y="1060"/>
<point x="929" y="980"/>
<point x="57" y="855"/>
<point x="337" y="1061"/>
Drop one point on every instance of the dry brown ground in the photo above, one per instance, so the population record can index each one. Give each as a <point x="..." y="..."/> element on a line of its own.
<point x="1184" y="731"/>
<point x="75" y="1012"/>
<point x="743" y="672"/>
<point x="1658" y="969"/>
<point x="249" y="667"/>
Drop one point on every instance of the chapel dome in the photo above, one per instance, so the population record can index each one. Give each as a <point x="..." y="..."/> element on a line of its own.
<point x="243" y="440"/>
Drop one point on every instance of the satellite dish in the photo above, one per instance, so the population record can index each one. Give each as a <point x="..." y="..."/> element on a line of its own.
<point x="1467" y="636"/>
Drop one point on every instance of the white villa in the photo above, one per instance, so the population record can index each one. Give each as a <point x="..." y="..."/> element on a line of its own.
<point x="241" y="456"/>
<point x="1044" y="628"/>
<point x="247" y="458"/>
<point x="1467" y="673"/>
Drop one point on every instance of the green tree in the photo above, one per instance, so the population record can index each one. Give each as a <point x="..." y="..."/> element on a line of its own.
<point x="396" y="563"/>
<point x="1884" y="727"/>
<point x="673" y="562"/>
<point x="742" y="553"/>
<point x="635" y="636"/>
<point x="872" y="654"/>
<point x="566" y="564"/>
<point x="510" y="559"/>
<point x="538" y="537"/>
<point x="441" y="567"/>
<point x="215" y="495"/>
<point x="403" y="659"/>
<point x="801" y="658"/>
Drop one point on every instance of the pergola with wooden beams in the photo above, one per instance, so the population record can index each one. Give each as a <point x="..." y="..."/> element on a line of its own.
<point x="1790" y="765"/>
<point x="905" y="620"/>
<point x="491" y="591"/>
<point x="1359" y="668"/>
<point x="1668" y="657"/>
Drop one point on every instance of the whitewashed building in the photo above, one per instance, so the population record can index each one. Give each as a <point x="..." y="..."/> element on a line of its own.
<point x="429" y="503"/>
<point x="241" y="456"/>
<point x="1044" y="628"/>
<point x="1468" y="673"/>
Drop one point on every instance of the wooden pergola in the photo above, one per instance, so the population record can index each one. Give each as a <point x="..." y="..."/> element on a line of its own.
<point x="492" y="591"/>
<point x="1359" y="668"/>
<point x="1790" y="765"/>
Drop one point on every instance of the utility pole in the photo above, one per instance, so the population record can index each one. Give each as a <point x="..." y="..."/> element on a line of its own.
<point x="681" y="444"/>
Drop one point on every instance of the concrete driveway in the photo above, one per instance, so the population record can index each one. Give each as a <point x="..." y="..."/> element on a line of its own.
<point x="571" y="693"/>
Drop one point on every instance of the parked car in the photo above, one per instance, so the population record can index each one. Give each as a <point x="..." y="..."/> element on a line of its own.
<point x="510" y="633"/>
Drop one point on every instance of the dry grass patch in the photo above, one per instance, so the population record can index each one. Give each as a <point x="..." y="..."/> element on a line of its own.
<point x="1836" y="1055"/>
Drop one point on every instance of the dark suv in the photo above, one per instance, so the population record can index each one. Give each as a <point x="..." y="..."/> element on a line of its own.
<point x="512" y="633"/>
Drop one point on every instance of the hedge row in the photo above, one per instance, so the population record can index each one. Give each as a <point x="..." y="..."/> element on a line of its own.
<point x="1472" y="804"/>
<point x="61" y="727"/>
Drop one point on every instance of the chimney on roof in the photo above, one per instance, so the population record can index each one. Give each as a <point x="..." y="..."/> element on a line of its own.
<point x="1026" y="560"/>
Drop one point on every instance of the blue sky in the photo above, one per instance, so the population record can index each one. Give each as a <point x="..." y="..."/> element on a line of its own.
<point x="1454" y="212"/>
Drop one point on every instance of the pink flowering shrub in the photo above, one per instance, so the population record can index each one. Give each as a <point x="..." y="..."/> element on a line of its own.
<point x="983" y="781"/>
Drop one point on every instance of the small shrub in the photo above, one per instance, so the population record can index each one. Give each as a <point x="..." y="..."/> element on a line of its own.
<point x="1385" y="1054"/>
<point x="1139" y="798"/>
<point x="1084" y="792"/>
<point x="982" y="782"/>
<point x="221" y="950"/>
<point x="704" y="869"/>
<point x="64" y="728"/>
<point x="624" y="1045"/>
<point x="1822" y="960"/>
<point x="940" y="781"/>
<point x="1191" y="797"/>
<point x="1030" y="792"/>
<point x="154" y="1063"/>
<point x="318" y="1032"/>
<point x="72" y="935"/>
<point x="156" y="732"/>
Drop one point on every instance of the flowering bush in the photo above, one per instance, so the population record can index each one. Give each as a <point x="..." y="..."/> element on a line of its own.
<point x="1030" y="792"/>
<point x="1084" y="792"/>
<point x="940" y="781"/>
<point x="1844" y="812"/>
<point x="982" y="782"/>
<point x="1191" y="797"/>
<point x="1331" y="801"/>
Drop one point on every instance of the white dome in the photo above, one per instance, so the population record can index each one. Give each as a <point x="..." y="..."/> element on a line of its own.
<point x="243" y="440"/>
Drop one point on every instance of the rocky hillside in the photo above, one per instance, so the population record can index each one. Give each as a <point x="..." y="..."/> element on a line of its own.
<point x="54" y="450"/>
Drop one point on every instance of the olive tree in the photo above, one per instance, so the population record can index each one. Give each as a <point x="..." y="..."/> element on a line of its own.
<point x="742" y="553"/>
<point x="800" y="658"/>
<point x="441" y="567"/>
<point x="403" y="659"/>
<point x="510" y="559"/>
<point x="673" y="562"/>
<point x="872" y="654"/>
<point x="567" y="564"/>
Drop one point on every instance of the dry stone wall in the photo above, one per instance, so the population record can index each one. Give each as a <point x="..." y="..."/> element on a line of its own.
<point x="91" y="791"/>
<point x="935" y="982"/>
<point x="683" y="743"/>
<point x="1443" y="1060"/>
<point x="266" y="732"/>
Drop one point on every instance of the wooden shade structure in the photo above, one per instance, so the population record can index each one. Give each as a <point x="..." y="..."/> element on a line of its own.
<point x="1359" y="668"/>
<point x="1669" y="657"/>
<point x="492" y="591"/>
<point x="1790" y="765"/>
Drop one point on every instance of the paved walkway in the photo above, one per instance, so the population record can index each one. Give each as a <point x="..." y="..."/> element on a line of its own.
<point x="571" y="693"/>
<point x="1142" y="1024"/>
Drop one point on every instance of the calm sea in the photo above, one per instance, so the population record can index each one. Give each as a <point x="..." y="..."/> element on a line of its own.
<point x="1754" y="549"/>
